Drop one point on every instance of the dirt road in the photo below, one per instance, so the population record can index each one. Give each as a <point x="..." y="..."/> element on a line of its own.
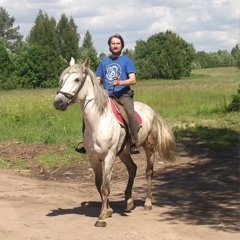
<point x="195" y="198"/>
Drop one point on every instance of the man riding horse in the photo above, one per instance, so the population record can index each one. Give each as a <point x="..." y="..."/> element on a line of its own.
<point x="117" y="73"/>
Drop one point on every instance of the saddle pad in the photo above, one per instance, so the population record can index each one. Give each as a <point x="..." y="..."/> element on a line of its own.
<point x="118" y="115"/>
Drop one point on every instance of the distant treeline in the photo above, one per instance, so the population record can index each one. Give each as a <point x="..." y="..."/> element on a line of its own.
<point x="38" y="60"/>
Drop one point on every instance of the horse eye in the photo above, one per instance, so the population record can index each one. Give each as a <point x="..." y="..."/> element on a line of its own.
<point x="77" y="80"/>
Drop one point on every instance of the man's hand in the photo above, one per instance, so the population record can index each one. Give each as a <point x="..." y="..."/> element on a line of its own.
<point x="115" y="81"/>
<point x="98" y="79"/>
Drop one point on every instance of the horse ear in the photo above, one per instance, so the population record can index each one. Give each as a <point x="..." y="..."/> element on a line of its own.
<point x="72" y="61"/>
<point x="87" y="62"/>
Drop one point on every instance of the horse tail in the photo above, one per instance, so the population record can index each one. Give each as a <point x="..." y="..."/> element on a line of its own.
<point x="166" y="145"/>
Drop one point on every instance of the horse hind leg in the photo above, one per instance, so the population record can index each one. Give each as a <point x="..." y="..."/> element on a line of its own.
<point x="132" y="169"/>
<point x="150" y="155"/>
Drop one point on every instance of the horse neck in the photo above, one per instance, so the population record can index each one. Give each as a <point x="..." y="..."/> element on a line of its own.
<point x="86" y="95"/>
<point x="94" y="102"/>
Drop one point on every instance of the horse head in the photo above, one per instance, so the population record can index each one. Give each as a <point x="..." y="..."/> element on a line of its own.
<point x="72" y="81"/>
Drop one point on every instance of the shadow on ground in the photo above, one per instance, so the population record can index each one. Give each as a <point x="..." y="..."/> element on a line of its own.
<point x="92" y="209"/>
<point x="204" y="191"/>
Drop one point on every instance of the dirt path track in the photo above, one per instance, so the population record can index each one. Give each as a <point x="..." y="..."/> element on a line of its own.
<point x="191" y="202"/>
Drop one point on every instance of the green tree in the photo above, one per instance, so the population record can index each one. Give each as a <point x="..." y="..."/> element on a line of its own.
<point x="102" y="56"/>
<point x="221" y="58"/>
<point x="144" y="66"/>
<point x="43" y="33"/>
<point x="33" y="68"/>
<point x="68" y="38"/>
<point x="42" y="55"/>
<point x="129" y="52"/>
<point x="212" y="60"/>
<point x="189" y="54"/>
<point x="9" y="33"/>
<point x="200" y="59"/>
<point x="225" y="59"/>
<point x="7" y="67"/>
<point x="236" y="54"/>
<point x="164" y="55"/>
<point x="88" y="50"/>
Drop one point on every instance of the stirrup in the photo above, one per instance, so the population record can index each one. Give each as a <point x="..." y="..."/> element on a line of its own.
<point x="80" y="149"/>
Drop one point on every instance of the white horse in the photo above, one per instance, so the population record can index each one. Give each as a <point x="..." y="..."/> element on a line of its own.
<point x="104" y="136"/>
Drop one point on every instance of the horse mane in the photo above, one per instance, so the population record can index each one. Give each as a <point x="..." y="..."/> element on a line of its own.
<point x="101" y="97"/>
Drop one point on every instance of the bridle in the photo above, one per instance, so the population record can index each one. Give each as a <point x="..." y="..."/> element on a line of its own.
<point x="71" y="96"/>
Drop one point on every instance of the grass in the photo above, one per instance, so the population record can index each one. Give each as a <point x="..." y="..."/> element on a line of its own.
<point x="65" y="159"/>
<point x="193" y="104"/>
<point x="14" y="164"/>
<point x="29" y="116"/>
<point x="193" y="99"/>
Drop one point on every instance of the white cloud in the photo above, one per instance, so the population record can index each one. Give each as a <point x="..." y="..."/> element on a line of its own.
<point x="209" y="25"/>
<point x="221" y="2"/>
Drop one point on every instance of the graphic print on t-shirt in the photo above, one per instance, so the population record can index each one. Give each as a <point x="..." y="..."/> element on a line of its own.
<point x="113" y="70"/>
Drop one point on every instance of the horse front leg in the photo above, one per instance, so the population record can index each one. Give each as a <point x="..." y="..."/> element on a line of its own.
<point x="104" y="190"/>
<point x="132" y="169"/>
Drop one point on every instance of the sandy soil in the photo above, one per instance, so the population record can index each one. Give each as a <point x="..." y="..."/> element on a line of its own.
<point x="195" y="198"/>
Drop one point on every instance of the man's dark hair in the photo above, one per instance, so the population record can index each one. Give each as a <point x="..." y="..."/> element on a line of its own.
<point x="116" y="36"/>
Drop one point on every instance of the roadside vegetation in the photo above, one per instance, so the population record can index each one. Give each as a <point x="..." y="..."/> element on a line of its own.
<point x="197" y="92"/>
<point x="196" y="105"/>
<point x="37" y="61"/>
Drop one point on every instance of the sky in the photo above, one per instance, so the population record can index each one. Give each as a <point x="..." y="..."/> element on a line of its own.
<point x="210" y="25"/>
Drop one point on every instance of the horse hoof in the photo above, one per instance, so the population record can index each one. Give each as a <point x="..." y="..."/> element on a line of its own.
<point x="129" y="205"/>
<point x="100" y="223"/>
<point x="147" y="207"/>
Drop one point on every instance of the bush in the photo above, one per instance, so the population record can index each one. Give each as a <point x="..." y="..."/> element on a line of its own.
<point x="234" y="106"/>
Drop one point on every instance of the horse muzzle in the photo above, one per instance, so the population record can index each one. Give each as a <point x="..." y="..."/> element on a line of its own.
<point x="61" y="102"/>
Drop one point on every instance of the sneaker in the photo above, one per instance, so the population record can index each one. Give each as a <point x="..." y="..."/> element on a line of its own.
<point x="134" y="149"/>
<point x="81" y="150"/>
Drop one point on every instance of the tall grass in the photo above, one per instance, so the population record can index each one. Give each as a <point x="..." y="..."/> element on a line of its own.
<point x="28" y="116"/>
<point x="195" y="99"/>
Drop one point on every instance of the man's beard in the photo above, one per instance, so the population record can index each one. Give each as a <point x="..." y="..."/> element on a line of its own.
<point x="115" y="52"/>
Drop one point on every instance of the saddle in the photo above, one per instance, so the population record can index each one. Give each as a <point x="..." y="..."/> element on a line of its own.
<point x="121" y="115"/>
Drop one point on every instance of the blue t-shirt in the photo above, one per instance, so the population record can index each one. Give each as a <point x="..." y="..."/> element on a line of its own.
<point x="119" y="68"/>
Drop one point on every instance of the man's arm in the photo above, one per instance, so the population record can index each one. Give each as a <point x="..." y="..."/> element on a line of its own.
<point x="128" y="82"/>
